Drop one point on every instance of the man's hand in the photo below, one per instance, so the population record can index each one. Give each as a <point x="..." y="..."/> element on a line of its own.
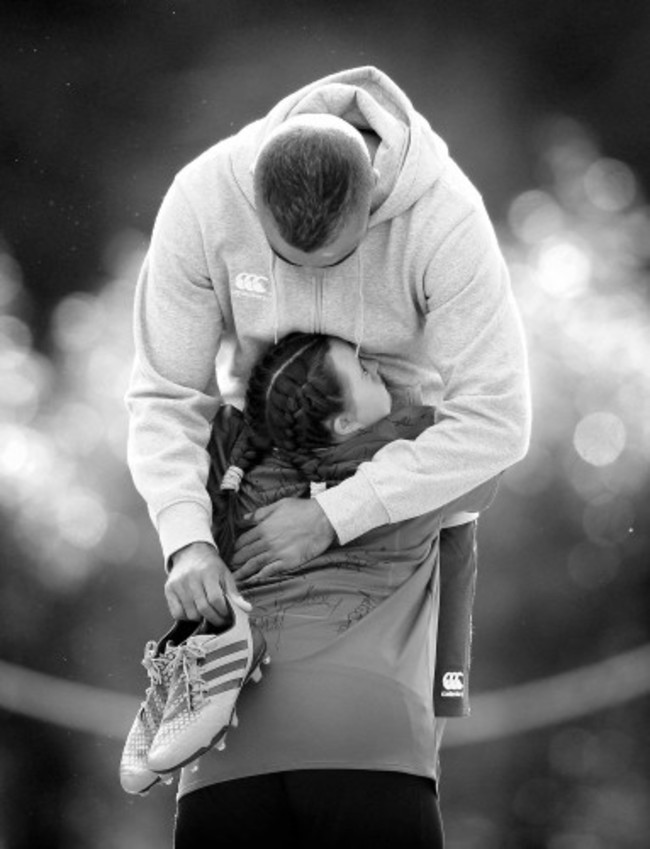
<point x="198" y="583"/>
<point x="286" y="535"/>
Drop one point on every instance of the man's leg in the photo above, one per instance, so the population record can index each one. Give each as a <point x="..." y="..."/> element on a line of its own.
<point x="247" y="812"/>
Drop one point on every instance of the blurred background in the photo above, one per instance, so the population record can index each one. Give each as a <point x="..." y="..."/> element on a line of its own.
<point x="544" y="105"/>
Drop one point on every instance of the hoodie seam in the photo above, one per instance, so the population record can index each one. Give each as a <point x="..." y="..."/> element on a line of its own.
<point x="441" y="246"/>
<point x="239" y="182"/>
<point x="181" y="501"/>
<point x="197" y="221"/>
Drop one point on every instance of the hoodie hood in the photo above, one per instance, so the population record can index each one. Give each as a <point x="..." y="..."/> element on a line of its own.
<point x="410" y="156"/>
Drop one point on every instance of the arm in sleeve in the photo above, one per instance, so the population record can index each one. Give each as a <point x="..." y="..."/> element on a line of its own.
<point x="476" y="343"/>
<point x="173" y="393"/>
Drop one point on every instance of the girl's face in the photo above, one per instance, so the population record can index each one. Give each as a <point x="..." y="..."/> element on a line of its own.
<point x="366" y="398"/>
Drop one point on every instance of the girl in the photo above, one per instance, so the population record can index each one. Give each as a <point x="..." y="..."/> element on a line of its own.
<point x="339" y="746"/>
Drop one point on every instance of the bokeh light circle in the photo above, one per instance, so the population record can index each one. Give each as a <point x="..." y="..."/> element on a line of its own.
<point x="599" y="438"/>
<point x="610" y="185"/>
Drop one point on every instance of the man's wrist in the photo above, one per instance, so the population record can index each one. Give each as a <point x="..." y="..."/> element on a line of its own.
<point x="192" y="549"/>
<point x="352" y="508"/>
<point x="182" y="524"/>
<point x="324" y="528"/>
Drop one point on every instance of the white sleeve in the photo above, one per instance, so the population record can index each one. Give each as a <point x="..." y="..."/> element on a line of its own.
<point x="173" y="393"/>
<point x="477" y="345"/>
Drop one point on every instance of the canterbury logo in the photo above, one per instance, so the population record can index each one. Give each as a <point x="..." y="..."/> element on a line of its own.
<point x="453" y="683"/>
<point x="253" y="285"/>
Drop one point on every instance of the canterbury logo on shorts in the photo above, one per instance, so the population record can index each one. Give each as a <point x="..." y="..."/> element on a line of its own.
<point x="453" y="684"/>
<point x="249" y="285"/>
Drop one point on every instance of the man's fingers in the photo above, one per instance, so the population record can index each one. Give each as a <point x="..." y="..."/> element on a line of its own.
<point x="255" y="535"/>
<point x="260" y="513"/>
<point x="249" y="537"/>
<point x="212" y="611"/>
<point x="244" y="553"/>
<point x="196" y="600"/>
<point x="181" y="605"/>
<point x="266" y="572"/>
<point x="230" y="589"/>
<point x="259" y="571"/>
<point x="273" y="569"/>
<point x="175" y="607"/>
<point x="250" y="567"/>
<point x="212" y="602"/>
<point x="197" y="586"/>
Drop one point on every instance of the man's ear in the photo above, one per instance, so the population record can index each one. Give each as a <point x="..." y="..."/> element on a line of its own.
<point x="343" y="425"/>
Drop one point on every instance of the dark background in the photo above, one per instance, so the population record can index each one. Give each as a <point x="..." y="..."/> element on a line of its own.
<point x="544" y="105"/>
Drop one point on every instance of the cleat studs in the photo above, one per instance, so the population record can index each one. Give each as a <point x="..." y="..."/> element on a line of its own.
<point x="221" y="745"/>
<point x="235" y="720"/>
<point x="266" y="660"/>
<point x="256" y="675"/>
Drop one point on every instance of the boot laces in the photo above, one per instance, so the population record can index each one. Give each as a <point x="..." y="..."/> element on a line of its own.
<point x="156" y="666"/>
<point x="188" y="657"/>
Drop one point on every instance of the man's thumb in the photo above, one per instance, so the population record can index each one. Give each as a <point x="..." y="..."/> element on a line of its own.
<point x="241" y="602"/>
<point x="230" y="589"/>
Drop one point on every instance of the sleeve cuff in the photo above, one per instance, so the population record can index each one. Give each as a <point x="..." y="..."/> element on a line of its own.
<point x="181" y="524"/>
<point x="353" y="508"/>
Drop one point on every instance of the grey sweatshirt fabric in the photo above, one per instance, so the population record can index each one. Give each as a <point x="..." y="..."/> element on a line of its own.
<point x="427" y="294"/>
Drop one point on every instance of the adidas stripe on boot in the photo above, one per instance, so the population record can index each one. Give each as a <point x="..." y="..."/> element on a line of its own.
<point x="210" y="670"/>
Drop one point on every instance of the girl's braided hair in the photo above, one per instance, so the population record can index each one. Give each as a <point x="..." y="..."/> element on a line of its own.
<point x="292" y="391"/>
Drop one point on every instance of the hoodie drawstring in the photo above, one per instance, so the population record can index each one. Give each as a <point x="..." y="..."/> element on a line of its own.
<point x="359" y="322"/>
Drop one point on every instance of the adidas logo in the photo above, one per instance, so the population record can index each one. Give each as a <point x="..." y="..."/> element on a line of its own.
<point x="225" y="668"/>
<point x="453" y="685"/>
<point x="249" y="285"/>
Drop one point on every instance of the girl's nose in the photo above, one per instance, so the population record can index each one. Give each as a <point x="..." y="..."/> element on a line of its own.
<point x="372" y="366"/>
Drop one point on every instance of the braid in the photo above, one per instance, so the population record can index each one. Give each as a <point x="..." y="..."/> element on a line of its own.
<point x="249" y="448"/>
<point x="292" y="392"/>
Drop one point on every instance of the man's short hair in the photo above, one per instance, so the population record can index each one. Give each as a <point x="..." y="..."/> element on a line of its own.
<point x="310" y="180"/>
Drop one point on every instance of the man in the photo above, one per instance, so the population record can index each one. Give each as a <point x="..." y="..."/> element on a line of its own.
<point x="340" y="212"/>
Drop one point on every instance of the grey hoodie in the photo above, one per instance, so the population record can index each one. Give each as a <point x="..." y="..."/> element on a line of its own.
<point x="427" y="294"/>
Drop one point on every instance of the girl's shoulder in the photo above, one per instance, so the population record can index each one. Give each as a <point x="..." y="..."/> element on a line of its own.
<point x="404" y="423"/>
<point x="409" y="422"/>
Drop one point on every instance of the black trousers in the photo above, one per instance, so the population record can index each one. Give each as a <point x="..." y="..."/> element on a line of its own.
<point x="313" y="809"/>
